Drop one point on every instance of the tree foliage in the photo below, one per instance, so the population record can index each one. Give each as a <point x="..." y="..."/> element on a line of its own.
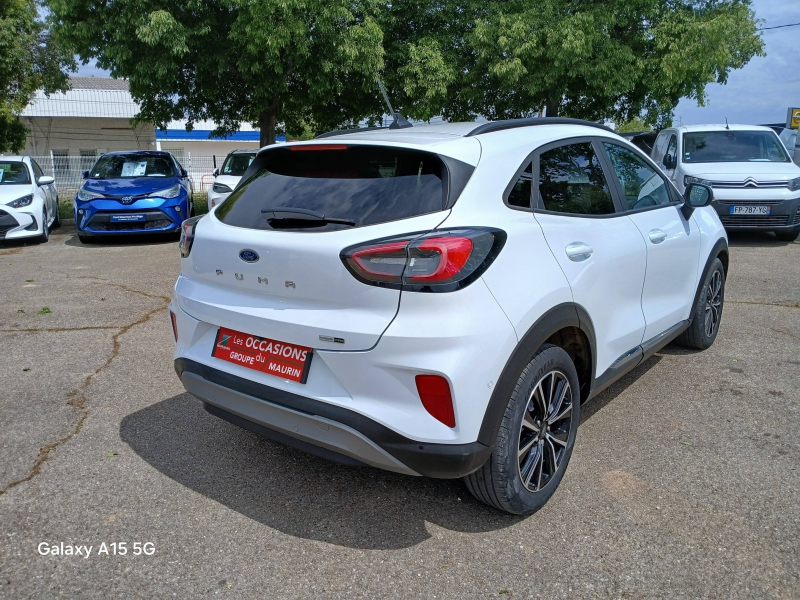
<point x="313" y="64"/>
<point x="28" y="61"/>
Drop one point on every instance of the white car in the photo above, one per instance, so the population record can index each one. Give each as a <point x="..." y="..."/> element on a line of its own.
<point x="28" y="200"/>
<point x="440" y="300"/>
<point x="756" y="184"/>
<point x="228" y="177"/>
<point x="789" y="139"/>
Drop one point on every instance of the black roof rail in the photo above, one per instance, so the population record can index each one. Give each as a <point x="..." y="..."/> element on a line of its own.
<point x="514" y="123"/>
<point x="346" y="131"/>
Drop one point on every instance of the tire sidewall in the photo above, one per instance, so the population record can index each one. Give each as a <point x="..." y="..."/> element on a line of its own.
<point x="699" y="315"/>
<point x="520" y="499"/>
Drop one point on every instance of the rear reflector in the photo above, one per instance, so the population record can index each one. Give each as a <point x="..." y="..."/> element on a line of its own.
<point x="434" y="391"/>
<point x="174" y="320"/>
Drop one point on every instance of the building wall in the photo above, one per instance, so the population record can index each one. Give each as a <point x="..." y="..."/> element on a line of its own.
<point x="87" y="134"/>
<point x="184" y="149"/>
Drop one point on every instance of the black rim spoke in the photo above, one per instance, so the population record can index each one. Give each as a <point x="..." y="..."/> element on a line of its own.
<point x="545" y="429"/>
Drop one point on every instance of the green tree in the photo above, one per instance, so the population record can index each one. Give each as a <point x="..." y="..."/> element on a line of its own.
<point x="594" y="59"/>
<point x="29" y="60"/>
<point x="268" y="62"/>
<point x="635" y="125"/>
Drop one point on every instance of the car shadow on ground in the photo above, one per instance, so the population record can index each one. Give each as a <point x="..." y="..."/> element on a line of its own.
<point x="305" y="496"/>
<point x="754" y="239"/>
<point x="150" y="239"/>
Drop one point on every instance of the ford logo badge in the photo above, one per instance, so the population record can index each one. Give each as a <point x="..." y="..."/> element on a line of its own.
<point x="249" y="256"/>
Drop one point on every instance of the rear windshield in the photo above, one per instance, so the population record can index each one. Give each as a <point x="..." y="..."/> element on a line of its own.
<point x="13" y="173"/>
<point x="124" y="166"/>
<point x="236" y="164"/>
<point x="361" y="184"/>
<point x="733" y="146"/>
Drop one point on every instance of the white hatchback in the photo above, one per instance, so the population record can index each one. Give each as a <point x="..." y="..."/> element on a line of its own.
<point x="228" y="177"/>
<point x="440" y="300"/>
<point x="28" y="200"/>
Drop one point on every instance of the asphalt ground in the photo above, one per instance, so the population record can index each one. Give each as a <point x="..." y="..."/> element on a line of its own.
<point x="683" y="484"/>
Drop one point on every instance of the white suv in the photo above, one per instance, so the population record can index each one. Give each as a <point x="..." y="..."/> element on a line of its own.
<point x="756" y="184"/>
<point x="440" y="300"/>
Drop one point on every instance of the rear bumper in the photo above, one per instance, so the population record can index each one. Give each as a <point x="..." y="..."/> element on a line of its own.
<point x="330" y="430"/>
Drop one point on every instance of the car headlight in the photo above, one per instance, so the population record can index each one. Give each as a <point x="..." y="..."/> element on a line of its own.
<point x="221" y="188"/>
<point x="687" y="180"/>
<point x="20" y="202"/>
<point x="85" y="195"/>
<point x="171" y="192"/>
<point x="794" y="184"/>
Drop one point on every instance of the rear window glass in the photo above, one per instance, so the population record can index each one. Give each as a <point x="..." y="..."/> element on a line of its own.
<point x="732" y="146"/>
<point x="360" y="184"/>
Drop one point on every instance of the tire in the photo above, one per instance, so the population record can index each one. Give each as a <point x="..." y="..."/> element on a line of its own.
<point x="787" y="236"/>
<point x="57" y="221"/>
<point x="707" y="313"/>
<point x="45" y="235"/>
<point x="500" y="482"/>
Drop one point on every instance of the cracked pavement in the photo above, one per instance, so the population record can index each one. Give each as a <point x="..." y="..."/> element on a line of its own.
<point x="684" y="481"/>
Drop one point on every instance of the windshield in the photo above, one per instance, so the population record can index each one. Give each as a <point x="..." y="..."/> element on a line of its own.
<point x="14" y="173"/>
<point x="732" y="146"/>
<point x="125" y="166"/>
<point x="236" y="164"/>
<point x="362" y="184"/>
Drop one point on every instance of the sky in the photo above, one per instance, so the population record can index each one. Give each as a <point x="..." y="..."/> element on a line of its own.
<point x="761" y="92"/>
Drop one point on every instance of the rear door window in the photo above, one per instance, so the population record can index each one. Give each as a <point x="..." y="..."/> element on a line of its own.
<point x="571" y="181"/>
<point x="362" y="184"/>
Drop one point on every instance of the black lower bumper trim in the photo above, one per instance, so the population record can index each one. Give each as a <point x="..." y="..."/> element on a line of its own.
<point x="443" y="461"/>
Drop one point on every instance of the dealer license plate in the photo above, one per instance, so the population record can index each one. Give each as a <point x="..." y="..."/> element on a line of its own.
<point x="750" y="210"/>
<point x="272" y="357"/>
<point x="133" y="218"/>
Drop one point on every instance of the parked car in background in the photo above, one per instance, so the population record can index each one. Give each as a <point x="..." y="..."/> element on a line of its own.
<point x="133" y="192"/>
<point x="28" y="200"/>
<point x="227" y="178"/>
<point x="756" y="185"/>
<point x="462" y="289"/>
<point x="789" y="139"/>
<point x="643" y="140"/>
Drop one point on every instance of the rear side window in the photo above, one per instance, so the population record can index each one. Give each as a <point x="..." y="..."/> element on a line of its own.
<point x="520" y="194"/>
<point x="571" y="181"/>
<point x="361" y="184"/>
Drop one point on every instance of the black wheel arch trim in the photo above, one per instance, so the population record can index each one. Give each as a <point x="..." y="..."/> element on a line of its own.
<point x="443" y="461"/>
<point x="718" y="250"/>
<point x="559" y="317"/>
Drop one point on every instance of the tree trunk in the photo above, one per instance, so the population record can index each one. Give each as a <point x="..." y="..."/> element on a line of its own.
<point x="266" y="121"/>
<point x="553" y="104"/>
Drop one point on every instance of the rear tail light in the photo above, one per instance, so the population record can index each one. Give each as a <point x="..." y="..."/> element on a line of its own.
<point x="439" y="261"/>
<point x="434" y="391"/>
<point x="174" y="320"/>
<point x="187" y="235"/>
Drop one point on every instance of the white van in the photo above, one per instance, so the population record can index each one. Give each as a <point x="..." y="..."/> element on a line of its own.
<point x="756" y="184"/>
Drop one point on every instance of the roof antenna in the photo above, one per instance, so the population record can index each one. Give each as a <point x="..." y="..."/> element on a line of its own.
<point x="726" y="124"/>
<point x="399" y="122"/>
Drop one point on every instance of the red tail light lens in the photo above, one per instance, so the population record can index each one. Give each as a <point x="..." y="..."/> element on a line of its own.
<point x="174" y="320"/>
<point x="187" y="235"/>
<point x="434" y="391"/>
<point x="440" y="261"/>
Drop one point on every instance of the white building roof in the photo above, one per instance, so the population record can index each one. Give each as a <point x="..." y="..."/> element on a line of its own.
<point x="89" y="97"/>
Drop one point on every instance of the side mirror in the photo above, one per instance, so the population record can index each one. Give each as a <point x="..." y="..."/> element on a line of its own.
<point x="184" y="173"/>
<point x="216" y="173"/>
<point x="45" y="180"/>
<point x="85" y="175"/>
<point x="669" y="162"/>
<point x="696" y="195"/>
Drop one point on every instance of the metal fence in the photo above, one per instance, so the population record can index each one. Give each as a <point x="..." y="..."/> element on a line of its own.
<point x="68" y="171"/>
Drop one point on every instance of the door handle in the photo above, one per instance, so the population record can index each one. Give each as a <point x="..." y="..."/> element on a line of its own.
<point x="578" y="251"/>
<point x="657" y="236"/>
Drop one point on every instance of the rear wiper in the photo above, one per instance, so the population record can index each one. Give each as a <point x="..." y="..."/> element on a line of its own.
<point x="288" y="213"/>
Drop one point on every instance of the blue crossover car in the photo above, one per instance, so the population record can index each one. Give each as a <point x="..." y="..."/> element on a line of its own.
<point x="131" y="193"/>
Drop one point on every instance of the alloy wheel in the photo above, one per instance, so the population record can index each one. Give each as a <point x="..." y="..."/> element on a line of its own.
<point x="713" y="303"/>
<point x="545" y="429"/>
